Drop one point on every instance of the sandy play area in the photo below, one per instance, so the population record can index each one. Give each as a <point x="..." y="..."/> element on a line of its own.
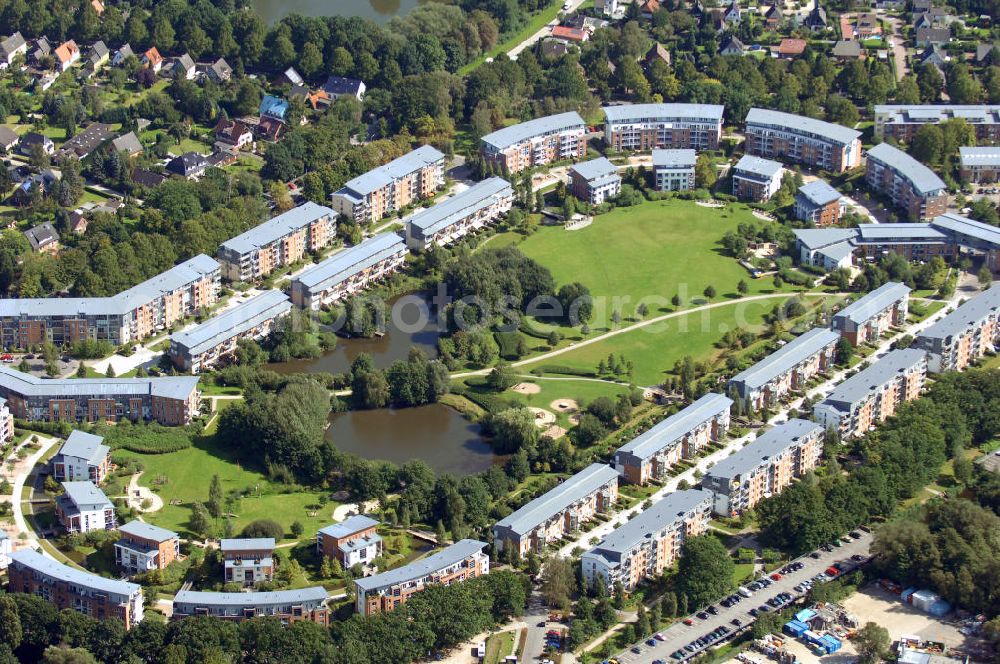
<point x="543" y="418"/>
<point x="564" y="406"/>
<point x="527" y="388"/>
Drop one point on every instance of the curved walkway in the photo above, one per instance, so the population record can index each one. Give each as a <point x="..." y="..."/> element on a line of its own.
<point x="136" y="495"/>
<point x="25" y="470"/>
<point x="644" y="323"/>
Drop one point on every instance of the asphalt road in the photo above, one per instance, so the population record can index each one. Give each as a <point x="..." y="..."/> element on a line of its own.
<point x="679" y="635"/>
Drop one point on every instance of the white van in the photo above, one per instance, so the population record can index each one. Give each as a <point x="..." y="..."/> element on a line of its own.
<point x="743" y="591"/>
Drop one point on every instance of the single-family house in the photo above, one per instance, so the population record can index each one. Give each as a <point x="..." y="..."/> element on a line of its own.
<point x="43" y="238"/>
<point x="184" y="67"/>
<point x="42" y="48"/>
<point x="121" y="55"/>
<point x="189" y="165"/>
<point x="128" y="143"/>
<point x="99" y="55"/>
<point x="11" y="47"/>
<point x="220" y="71"/>
<point x="152" y="59"/>
<point x="273" y="107"/>
<point x="233" y="132"/>
<point x="791" y="48"/>
<point x="847" y="50"/>
<point x="8" y="139"/>
<point x="67" y="54"/>
<point x="733" y="46"/>
<point x="338" y="86"/>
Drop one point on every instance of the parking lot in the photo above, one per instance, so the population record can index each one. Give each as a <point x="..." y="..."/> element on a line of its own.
<point x="679" y="635"/>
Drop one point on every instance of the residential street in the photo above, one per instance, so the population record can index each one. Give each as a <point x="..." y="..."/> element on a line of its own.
<point x="544" y="32"/>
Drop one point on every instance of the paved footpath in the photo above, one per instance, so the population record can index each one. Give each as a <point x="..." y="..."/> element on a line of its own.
<point x="23" y="472"/>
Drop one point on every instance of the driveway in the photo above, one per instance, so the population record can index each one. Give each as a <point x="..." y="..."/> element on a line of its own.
<point x="678" y="635"/>
<point x="898" y="46"/>
<point x="545" y="31"/>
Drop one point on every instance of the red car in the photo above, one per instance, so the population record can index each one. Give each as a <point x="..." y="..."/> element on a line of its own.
<point x="688" y="622"/>
<point x="776" y="577"/>
<point x="832" y="572"/>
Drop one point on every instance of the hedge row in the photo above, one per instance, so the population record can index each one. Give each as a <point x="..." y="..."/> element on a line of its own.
<point x="568" y="371"/>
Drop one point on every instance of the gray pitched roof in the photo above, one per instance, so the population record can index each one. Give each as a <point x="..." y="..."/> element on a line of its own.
<point x="127" y="143"/>
<point x="767" y="445"/>
<point x="147" y="531"/>
<point x="847" y="49"/>
<point x="246" y="544"/>
<point x="12" y="43"/>
<point x="674" y="158"/>
<point x="232" y="322"/>
<point x="966" y="316"/>
<point x="595" y="168"/>
<point x="437" y="217"/>
<point x="964" y="227"/>
<point x="663" y="513"/>
<point x="786" y="357"/>
<point x="83" y="445"/>
<point x="550" y="124"/>
<point x="184" y="62"/>
<point x="349" y="526"/>
<point x="173" y="279"/>
<point x="878" y="300"/>
<point x="8" y="137"/>
<point x="575" y="488"/>
<point x="174" y="387"/>
<point x="194" y="598"/>
<point x="410" y="162"/>
<point x="276" y="227"/>
<point x="819" y="192"/>
<point x="344" y="264"/>
<point x="663" y="112"/>
<point x="676" y="426"/>
<point x="801" y="124"/>
<point x="424" y="567"/>
<point x="857" y="388"/>
<point x="923" y="179"/>
<point x="84" y="493"/>
<point x="767" y="168"/>
<point x="34" y="560"/>
<point x="816" y="238"/>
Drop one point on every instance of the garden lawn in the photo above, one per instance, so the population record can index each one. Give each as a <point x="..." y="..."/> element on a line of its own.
<point x="656" y="249"/>
<point x="189" y="472"/>
<point x="655" y="348"/>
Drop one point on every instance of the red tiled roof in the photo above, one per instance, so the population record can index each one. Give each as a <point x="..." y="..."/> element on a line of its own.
<point x="792" y="46"/>
<point x="564" y="32"/>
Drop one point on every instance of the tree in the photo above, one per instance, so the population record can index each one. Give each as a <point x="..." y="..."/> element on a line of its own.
<point x="58" y="655"/>
<point x="704" y="172"/>
<point x="501" y="378"/>
<point x="558" y="582"/>
<point x="928" y="144"/>
<point x="642" y="626"/>
<point x="297" y="529"/>
<point x="668" y="605"/>
<point x="214" y="503"/>
<point x="705" y="570"/>
<point x="844" y="351"/>
<point x="263" y="528"/>
<point x="872" y="643"/>
<point x="199" y="522"/>
<point x="985" y="277"/>
<point x="709" y="292"/>
<point x="10" y="623"/>
<point x="513" y="429"/>
<point x="742" y="287"/>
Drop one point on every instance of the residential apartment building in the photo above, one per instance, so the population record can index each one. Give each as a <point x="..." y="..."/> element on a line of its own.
<point x="139" y="312"/>
<point x="349" y="272"/>
<point x="6" y="548"/>
<point x="6" y="423"/>
<point x="536" y="142"/>
<point x="170" y="400"/>
<point x="650" y="543"/>
<point x="217" y="339"/>
<point x="83" y="458"/>
<point x="279" y="241"/>
<point x="477" y="207"/>
<point x="820" y="204"/>
<point x="912" y="241"/>
<point x="979" y="164"/>
<point x="871" y="316"/>
<point x="248" y="561"/>
<point x="673" y="170"/>
<point x="288" y="606"/>
<point x="911" y="186"/>
<point x="756" y="179"/>
<point x="144" y="547"/>
<point x="561" y="510"/>
<point x="595" y="181"/>
<point x="353" y="541"/>
<point x="681" y="436"/>
<point x="787" y="369"/>
<point x="765" y="467"/>
<point x="67" y="587"/>
<point x="668" y="126"/>
<point x="902" y="121"/>
<point x="964" y="335"/>
<point x="813" y="143"/>
<point x="83" y="507"/>
<point x="873" y="395"/>
<point x="971" y="236"/>
<point x="401" y="182"/>
<point x="456" y="563"/>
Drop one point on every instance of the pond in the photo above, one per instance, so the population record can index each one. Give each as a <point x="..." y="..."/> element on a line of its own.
<point x="434" y="433"/>
<point x="378" y="10"/>
<point x="394" y="345"/>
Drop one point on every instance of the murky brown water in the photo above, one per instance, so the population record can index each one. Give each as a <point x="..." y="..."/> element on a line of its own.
<point x="435" y="433"/>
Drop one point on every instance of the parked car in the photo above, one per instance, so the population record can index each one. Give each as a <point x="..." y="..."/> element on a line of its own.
<point x="736" y="622"/>
<point x="688" y="622"/>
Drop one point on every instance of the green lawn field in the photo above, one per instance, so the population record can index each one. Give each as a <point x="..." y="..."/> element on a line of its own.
<point x="654" y="250"/>
<point x="189" y="472"/>
<point x="654" y="349"/>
